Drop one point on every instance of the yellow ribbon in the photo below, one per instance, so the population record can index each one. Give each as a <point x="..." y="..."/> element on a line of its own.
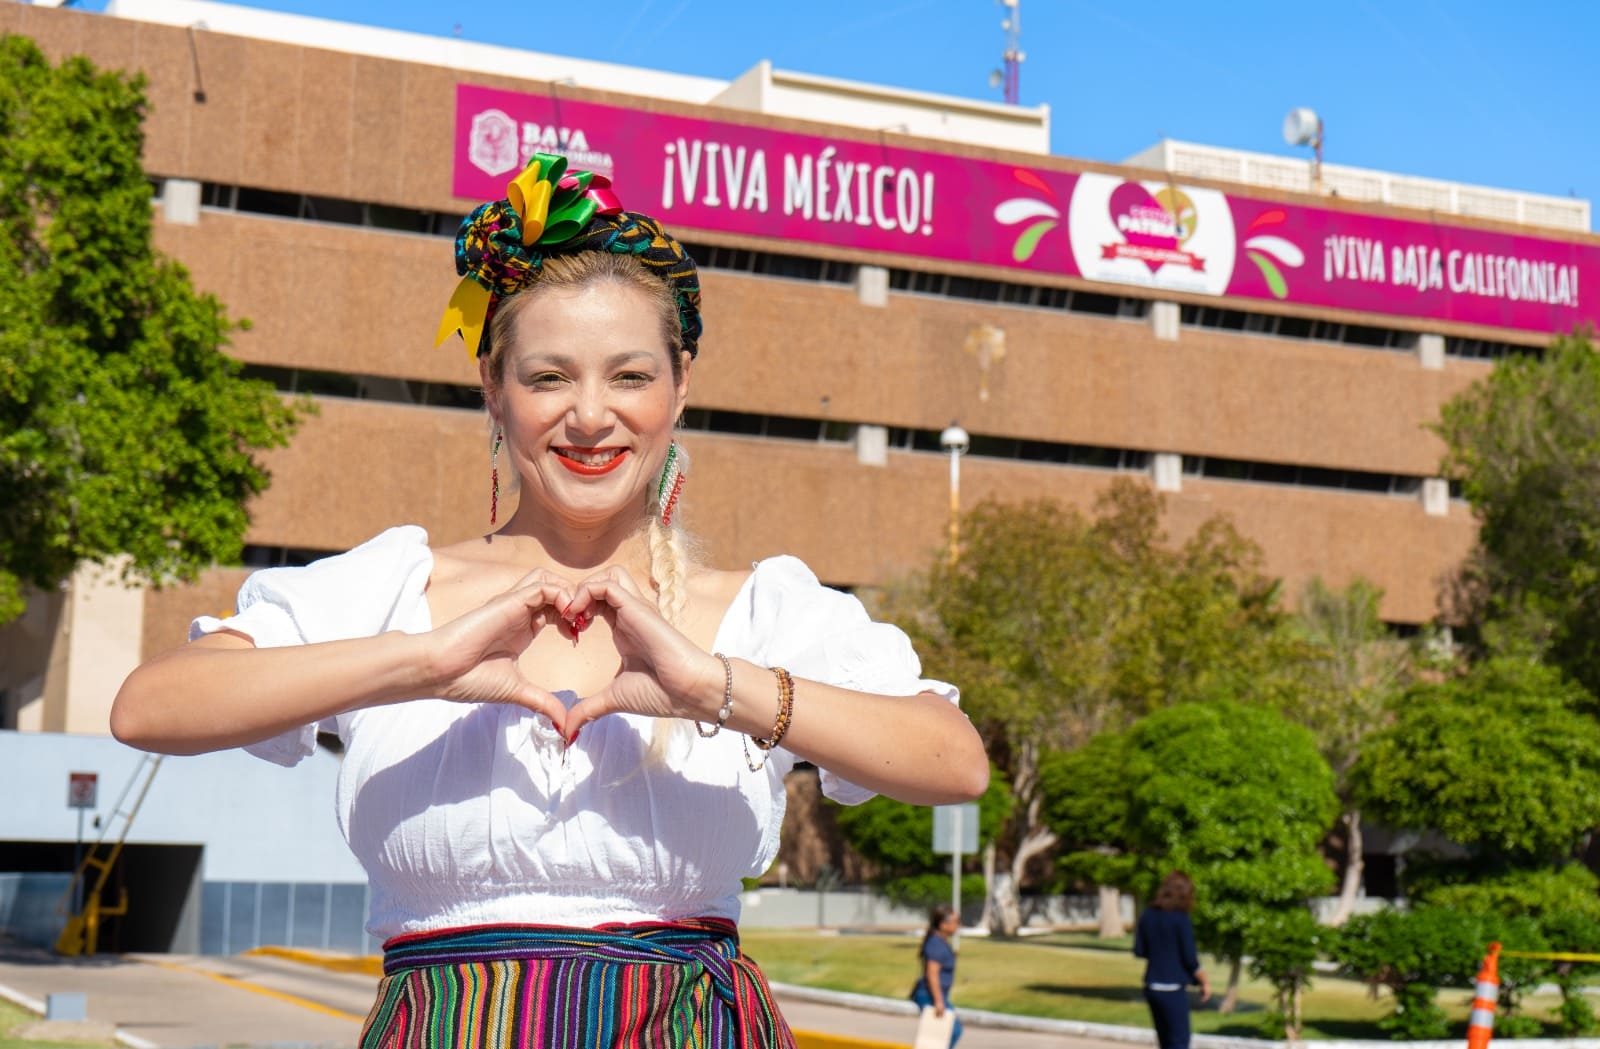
<point x="530" y="194"/>
<point x="1554" y="956"/>
<point x="468" y="308"/>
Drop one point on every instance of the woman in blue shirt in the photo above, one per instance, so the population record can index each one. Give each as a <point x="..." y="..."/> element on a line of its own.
<point x="938" y="964"/>
<point x="1165" y="939"/>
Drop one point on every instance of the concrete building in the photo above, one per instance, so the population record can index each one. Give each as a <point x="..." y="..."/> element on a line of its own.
<point x="876" y="264"/>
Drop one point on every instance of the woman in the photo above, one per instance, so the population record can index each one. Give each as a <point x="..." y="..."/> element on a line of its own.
<point x="1165" y="939"/>
<point x="938" y="969"/>
<point x="564" y="741"/>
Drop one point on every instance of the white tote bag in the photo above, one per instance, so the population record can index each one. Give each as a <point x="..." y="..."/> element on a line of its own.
<point x="933" y="1032"/>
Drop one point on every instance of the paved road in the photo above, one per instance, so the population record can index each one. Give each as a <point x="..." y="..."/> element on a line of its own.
<point x="188" y="1002"/>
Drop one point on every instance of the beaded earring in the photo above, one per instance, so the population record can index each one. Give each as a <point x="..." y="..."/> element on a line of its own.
<point x="494" y="477"/>
<point x="672" y="476"/>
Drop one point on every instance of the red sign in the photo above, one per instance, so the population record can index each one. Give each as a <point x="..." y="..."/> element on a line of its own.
<point x="81" y="789"/>
<point x="714" y="175"/>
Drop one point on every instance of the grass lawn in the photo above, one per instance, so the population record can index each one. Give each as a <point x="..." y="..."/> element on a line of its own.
<point x="12" y="1017"/>
<point x="1069" y="976"/>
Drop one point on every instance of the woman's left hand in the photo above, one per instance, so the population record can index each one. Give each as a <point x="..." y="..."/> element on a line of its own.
<point x="662" y="671"/>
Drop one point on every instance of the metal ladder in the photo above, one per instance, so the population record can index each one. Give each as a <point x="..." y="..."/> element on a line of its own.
<point x="82" y="932"/>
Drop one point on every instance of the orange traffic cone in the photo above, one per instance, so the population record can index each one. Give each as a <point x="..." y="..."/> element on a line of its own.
<point x="1481" y="1027"/>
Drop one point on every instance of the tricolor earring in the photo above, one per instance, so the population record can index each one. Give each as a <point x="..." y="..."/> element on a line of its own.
<point x="672" y="475"/>
<point x="494" y="477"/>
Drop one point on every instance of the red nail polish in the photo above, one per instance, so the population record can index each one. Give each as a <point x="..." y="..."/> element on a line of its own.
<point x="580" y="622"/>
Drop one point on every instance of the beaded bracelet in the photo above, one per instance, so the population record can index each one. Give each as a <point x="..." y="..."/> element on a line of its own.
<point x="781" y="726"/>
<point x="726" y="710"/>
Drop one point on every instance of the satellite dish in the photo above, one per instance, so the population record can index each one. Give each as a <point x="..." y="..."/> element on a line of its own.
<point x="1302" y="127"/>
<point x="996" y="78"/>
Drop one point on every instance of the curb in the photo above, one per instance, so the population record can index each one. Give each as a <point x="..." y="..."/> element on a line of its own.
<point x="33" y="1005"/>
<point x="367" y="964"/>
<point x="1137" y="1035"/>
<point x="983" y="1017"/>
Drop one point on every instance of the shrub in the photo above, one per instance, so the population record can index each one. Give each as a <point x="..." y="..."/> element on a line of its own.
<point x="1413" y="954"/>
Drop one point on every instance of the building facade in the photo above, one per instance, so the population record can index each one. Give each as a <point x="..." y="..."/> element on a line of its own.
<point x="852" y="312"/>
<point x="876" y="264"/>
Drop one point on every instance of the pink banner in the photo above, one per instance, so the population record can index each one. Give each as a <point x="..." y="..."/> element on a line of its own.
<point x="712" y="175"/>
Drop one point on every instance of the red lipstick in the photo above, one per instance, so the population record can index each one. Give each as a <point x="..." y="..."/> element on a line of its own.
<point x="584" y="469"/>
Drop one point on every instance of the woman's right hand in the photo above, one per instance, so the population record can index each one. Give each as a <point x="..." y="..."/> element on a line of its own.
<point x="473" y="658"/>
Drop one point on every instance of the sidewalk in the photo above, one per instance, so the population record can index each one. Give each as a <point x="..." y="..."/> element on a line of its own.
<point x="178" y="1002"/>
<point x="163" y="1001"/>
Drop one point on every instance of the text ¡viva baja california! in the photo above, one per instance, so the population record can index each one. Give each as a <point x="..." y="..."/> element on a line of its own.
<point x="1429" y="268"/>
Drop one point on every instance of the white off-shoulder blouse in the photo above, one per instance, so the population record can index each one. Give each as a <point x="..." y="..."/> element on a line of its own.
<point x="466" y="814"/>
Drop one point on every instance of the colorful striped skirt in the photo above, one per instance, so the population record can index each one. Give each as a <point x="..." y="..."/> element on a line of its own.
<point x="666" y="985"/>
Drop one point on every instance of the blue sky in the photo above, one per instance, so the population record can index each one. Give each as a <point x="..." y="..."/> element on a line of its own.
<point x="1499" y="94"/>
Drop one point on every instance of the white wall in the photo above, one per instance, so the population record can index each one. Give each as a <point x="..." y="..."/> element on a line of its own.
<point x="258" y="822"/>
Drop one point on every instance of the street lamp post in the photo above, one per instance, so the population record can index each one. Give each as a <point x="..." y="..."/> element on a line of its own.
<point x="956" y="441"/>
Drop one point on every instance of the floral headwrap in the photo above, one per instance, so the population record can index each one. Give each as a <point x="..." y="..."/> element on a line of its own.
<point x="547" y="211"/>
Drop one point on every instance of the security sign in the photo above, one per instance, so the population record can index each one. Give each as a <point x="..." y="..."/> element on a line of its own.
<point x="81" y="789"/>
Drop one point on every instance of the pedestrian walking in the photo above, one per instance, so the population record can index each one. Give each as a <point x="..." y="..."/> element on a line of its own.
<point x="1165" y="940"/>
<point x="937" y="970"/>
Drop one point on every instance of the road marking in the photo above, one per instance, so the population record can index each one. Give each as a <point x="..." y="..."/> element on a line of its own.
<point x="269" y="992"/>
<point x="818" y="1040"/>
<point x="366" y="964"/>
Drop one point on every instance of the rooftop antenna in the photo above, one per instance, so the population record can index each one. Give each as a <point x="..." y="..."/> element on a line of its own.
<point x="1302" y="127"/>
<point x="1011" y="75"/>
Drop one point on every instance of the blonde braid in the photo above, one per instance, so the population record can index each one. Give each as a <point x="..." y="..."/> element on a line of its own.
<point x="669" y="568"/>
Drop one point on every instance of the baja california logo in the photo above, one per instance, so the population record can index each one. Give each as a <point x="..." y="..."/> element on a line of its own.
<point x="1153" y="234"/>
<point x="493" y="146"/>
<point x="1154" y="227"/>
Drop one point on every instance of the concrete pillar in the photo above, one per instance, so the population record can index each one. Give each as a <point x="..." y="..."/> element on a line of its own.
<point x="872" y="445"/>
<point x="1430" y="352"/>
<point x="98" y="642"/>
<point x="1167" y="470"/>
<point x="1435" y="496"/>
<point x="180" y="202"/>
<point x="872" y="285"/>
<point x="1164" y="320"/>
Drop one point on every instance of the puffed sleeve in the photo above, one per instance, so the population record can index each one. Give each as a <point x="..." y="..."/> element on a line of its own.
<point x="822" y="634"/>
<point x="377" y="586"/>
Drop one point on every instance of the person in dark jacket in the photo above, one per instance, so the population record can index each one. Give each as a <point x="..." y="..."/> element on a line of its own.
<point x="1165" y="940"/>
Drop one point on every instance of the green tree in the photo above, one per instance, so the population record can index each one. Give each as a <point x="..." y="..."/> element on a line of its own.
<point x="1060" y="626"/>
<point x="1086" y="806"/>
<point x="1544" y="908"/>
<point x="1236" y="796"/>
<point x="123" y="428"/>
<point x="1350" y="673"/>
<point x="898" y="839"/>
<point x="1504" y="759"/>
<point x="1574" y="932"/>
<point x="1413" y="954"/>
<point x="1543" y="892"/>
<point x="1525" y="444"/>
<point x="1283" y="948"/>
<point x="1518" y="976"/>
